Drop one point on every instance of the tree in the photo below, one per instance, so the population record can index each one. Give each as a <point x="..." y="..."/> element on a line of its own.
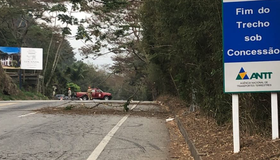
<point x="74" y="87"/>
<point x="124" y="38"/>
<point x="184" y="42"/>
<point x="18" y="19"/>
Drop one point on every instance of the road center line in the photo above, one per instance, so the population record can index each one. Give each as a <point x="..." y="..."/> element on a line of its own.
<point x="97" y="151"/>
<point x="27" y="114"/>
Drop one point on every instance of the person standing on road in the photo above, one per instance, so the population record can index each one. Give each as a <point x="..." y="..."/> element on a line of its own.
<point x="89" y="92"/>
<point x="69" y="93"/>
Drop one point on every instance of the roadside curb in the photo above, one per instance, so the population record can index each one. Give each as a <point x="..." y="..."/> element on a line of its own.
<point x="64" y="104"/>
<point x="192" y="148"/>
<point x="195" y="154"/>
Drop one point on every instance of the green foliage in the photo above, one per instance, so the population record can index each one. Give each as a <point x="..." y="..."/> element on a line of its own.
<point x="255" y="113"/>
<point x="83" y="34"/>
<point x="114" y="4"/>
<point x="66" y="31"/>
<point x="5" y="97"/>
<point x="69" y="107"/>
<point x="58" y="7"/>
<point x="74" y="87"/>
<point x="30" y="95"/>
<point x="184" y="44"/>
<point x="67" y="19"/>
<point x="125" y="106"/>
<point x="119" y="33"/>
<point x="107" y="5"/>
<point x="77" y="70"/>
<point x="24" y="95"/>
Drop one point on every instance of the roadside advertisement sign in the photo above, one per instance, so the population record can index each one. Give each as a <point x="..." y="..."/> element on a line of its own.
<point x="251" y="45"/>
<point x="32" y="58"/>
<point x="21" y="58"/>
<point x="10" y="57"/>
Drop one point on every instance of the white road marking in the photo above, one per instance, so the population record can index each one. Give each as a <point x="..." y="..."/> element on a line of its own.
<point x="27" y="114"/>
<point x="6" y="104"/>
<point x="28" y="101"/>
<point x="97" y="151"/>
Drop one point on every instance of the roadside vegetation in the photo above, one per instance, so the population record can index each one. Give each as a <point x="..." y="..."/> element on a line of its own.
<point x="24" y="95"/>
<point x="159" y="46"/>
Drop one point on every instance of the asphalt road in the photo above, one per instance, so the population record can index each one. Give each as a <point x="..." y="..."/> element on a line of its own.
<point x="26" y="134"/>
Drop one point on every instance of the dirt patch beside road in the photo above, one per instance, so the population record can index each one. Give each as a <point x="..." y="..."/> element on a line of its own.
<point x="215" y="142"/>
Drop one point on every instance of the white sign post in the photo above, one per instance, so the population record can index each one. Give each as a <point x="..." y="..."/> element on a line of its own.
<point x="235" y="121"/>
<point x="274" y="116"/>
<point x="251" y="54"/>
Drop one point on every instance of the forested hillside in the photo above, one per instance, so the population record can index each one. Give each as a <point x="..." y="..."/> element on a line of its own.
<point x="184" y="42"/>
<point x="160" y="46"/>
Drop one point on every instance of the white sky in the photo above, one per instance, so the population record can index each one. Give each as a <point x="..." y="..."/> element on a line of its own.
<point x="76" y="44"/>
<point x="103" y="60"/>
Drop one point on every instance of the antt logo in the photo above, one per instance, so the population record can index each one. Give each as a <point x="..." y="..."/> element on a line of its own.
<point x="242" y="75"/>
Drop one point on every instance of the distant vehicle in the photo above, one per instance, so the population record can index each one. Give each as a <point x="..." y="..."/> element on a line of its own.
<point x="96" y="94"/>
<point x="61" y="96"/>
